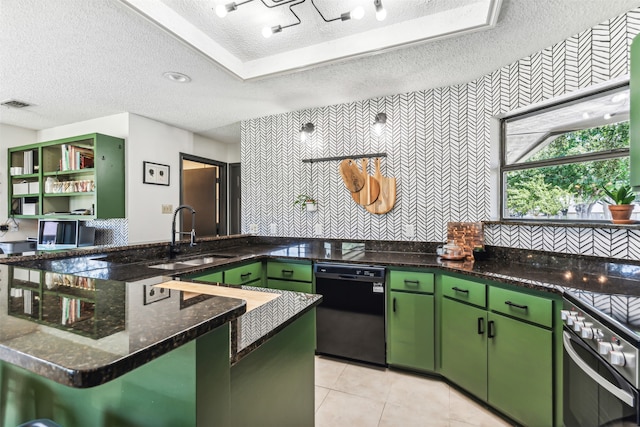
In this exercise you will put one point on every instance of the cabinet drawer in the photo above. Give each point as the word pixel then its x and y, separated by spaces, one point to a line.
pixel 411 281
pixel 289 271
pixel 286 285
pixel 243 274
pixel 522 306
pixel 207 277
pixel 465 290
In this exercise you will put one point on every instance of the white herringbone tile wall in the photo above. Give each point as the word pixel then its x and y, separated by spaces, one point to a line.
pixel 438 147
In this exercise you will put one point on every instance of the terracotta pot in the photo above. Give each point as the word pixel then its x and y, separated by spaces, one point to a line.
pixel 620 214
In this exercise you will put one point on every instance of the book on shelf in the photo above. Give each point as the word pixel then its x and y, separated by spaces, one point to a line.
pixel 74 157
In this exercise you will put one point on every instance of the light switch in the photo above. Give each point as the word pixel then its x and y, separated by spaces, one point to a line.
pixel 317 230
pixel 273 228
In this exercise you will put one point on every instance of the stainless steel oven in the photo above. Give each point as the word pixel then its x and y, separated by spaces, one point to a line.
pixel 600 370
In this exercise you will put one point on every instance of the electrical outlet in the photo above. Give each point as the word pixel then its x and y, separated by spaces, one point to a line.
pixel 317 230
pixel 409 230
pixel 153 294
pixel 273 228
pixel 13 227
pixel 167 209
pixel 253 228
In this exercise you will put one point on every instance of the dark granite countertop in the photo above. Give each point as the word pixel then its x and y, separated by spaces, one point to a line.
pixel 29 342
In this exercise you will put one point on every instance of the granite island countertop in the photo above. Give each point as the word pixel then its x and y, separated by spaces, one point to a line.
pixel 589 277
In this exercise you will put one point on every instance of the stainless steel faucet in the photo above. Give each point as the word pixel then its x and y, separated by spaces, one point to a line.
pixel 172 248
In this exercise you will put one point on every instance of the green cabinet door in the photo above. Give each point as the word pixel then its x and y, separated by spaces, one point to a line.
pixel 411 331
pixel 464 346
pixel 207 277
pixel 248 274
pixel 521 370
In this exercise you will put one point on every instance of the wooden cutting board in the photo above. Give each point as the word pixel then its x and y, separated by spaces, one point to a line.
pixel 352 176
pixel 254 299
pixel 387 197
pixel 370 190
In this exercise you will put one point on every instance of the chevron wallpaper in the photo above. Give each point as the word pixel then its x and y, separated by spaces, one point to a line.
pixel 438 147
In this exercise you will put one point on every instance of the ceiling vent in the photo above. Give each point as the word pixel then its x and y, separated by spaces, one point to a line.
pixel 14 103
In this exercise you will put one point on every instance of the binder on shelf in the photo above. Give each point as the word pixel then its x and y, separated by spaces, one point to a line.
pixel 27 165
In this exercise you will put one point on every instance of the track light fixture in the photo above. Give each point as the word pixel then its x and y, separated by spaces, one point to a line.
pixel 223 9
pixel 306 131
pixel 379 123
pixel 381 12
pixel 358 13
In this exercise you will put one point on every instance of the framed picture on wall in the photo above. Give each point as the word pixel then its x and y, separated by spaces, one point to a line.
pixel 155 173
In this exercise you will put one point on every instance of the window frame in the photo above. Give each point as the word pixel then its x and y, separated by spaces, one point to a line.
pixel 580 158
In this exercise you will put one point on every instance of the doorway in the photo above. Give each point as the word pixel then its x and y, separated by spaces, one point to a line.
pixel 204 187
pixel 235 226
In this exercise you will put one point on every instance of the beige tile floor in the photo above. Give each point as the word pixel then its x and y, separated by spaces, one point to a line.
pixel 354 395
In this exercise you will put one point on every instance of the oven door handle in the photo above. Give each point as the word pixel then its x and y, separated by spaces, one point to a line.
pixel 622 395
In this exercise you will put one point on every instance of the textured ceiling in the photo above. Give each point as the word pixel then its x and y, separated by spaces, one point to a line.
pixel 77 60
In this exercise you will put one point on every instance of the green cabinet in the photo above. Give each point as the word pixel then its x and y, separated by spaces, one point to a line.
pixel 83 174
pixel 207 276
pixel 500 350
pixel 290 275
pixel 411 320
pixel 464 346
pixel 520 370
pixel 247 274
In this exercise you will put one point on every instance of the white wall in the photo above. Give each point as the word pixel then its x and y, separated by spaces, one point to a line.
pixel 211 149
pixel 145 140
pixel 12 136
pixel 441 147
pixel 155 142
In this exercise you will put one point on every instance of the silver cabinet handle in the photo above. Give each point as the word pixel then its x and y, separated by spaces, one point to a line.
pixel 619 393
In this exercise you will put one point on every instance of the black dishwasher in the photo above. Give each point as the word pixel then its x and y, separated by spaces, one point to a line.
pixel 350 319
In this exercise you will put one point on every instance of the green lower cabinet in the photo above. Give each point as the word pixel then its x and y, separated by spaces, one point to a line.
pixel 464 346
pixel 207 277
pixel 289 285
pixel 521 370
pixel 410 341
pixel 248 274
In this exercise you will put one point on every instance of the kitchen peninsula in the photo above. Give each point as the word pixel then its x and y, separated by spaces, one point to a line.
pixel 127 353
pixel 153 362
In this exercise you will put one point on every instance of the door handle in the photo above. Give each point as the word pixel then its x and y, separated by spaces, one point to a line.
pixel 480 325
pixel 412 282
pixel 284 272
pixel 245 275
pixel 492 329
pixel 511 304
pixel 619 393
pixel 394 305
pixel 457 289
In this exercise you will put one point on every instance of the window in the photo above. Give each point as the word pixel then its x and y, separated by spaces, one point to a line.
pixel 555 161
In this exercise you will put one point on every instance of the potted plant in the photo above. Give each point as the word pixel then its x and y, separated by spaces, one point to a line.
pixel 306 202
pixel 479 253
pixel 621 207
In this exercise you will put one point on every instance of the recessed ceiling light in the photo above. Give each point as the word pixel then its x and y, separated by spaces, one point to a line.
pixel 177 77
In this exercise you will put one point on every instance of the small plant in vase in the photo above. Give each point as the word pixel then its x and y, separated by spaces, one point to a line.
pixel 621 206
pixel 306 202
pixel 479 253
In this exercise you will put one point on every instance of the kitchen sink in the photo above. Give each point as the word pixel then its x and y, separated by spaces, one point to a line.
pixel 171 266
pixel 176 265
